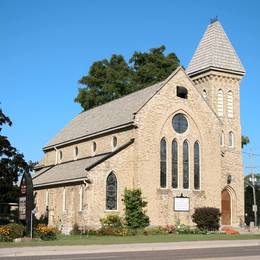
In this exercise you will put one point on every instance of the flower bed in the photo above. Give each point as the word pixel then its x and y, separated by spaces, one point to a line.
pixel 230 231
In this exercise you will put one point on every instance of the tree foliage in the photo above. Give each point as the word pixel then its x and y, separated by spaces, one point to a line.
pixel 112 78
pixel 12 165
pixel 244 140
pixel 135 216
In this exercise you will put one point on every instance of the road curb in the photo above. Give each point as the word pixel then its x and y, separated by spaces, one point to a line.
pixel 91 249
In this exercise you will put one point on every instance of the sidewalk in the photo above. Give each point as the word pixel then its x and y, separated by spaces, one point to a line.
pixel 67 250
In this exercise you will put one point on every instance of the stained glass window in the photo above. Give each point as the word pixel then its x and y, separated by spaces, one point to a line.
pixel 174 164
pixel 185 165
pixel 196 166
pixel 163 163
pixel 111 192
pixel 179 123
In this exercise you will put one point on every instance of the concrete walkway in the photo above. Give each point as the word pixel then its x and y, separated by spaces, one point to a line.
pixel 90 249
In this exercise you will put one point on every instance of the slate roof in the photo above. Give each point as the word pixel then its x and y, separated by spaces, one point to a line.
pixel 215 51
pixel 65 172
pixel 116 113
pixel 72 171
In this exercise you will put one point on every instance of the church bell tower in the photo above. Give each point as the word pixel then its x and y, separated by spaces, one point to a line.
pixel 216 71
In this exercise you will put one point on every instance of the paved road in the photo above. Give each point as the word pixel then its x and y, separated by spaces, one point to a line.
pixel 248 252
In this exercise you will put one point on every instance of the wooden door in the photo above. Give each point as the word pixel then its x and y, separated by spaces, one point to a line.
pixel 225 208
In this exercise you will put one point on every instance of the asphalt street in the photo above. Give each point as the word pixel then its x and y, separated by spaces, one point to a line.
pixel 247 252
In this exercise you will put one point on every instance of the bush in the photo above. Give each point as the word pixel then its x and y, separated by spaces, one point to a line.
pixel 11 231
pixel 113 231
pixel 46 233
pixel 112 220
pixel 4 233
pixel 16 230
pixel 183 229
pixel 135 216
pixel 206 218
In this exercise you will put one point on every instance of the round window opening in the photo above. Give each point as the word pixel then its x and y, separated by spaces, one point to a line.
pixel 180 123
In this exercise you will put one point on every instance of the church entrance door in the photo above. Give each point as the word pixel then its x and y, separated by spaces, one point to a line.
pixel 225 208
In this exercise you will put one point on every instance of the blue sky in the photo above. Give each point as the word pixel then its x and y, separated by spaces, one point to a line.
pixel 46 46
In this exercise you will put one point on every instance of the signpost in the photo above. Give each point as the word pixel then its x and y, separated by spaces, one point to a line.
pixel 26 202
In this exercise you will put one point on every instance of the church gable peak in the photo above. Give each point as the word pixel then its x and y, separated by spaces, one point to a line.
pixel 215 51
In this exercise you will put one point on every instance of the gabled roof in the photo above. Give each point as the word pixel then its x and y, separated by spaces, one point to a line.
pixel 215 51
pixel 119 112
pixel 72 171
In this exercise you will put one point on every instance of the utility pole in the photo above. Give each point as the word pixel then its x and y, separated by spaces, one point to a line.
pixel 252 179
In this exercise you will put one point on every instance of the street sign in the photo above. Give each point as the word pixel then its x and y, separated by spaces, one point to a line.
pixel 26 201
pixel 254 208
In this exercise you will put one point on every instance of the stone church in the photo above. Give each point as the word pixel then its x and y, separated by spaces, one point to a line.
pixel 178 140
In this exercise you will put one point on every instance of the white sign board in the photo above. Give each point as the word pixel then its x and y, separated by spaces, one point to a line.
pixel 22 207
pixel 181 204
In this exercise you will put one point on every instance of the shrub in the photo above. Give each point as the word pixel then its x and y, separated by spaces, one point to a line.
pixel 183 229
pixel 113 231
pixel 112 220
pixel 206 218
pixel 11 231
pixel 46 233
pixel 16 230
pixel 135 216
pixel 112 225
pixel 4 233
pixel 170 229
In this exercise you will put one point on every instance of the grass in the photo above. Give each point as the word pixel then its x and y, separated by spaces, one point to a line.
pixel 102 240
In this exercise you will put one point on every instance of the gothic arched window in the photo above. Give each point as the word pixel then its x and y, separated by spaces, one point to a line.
pixel 196 166
pixel 222 139
pixel 230 139
pixel 220 103
pixel 163 163
pixel 205 94
pixel 111 192
pixel 230 104
pixel 174 164
pixel 185 164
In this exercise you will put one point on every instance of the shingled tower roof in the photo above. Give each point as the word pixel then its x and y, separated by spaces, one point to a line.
pixel 215 51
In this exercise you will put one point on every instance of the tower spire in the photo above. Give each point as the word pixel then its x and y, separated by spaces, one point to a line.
pixel 215 52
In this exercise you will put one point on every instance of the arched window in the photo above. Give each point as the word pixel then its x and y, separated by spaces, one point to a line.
pixel 205 95
pixel 222 139
pixel 230 139
pixel 185 164
pixel 60 156
pixel 76 152
pixel 94 148
pixel 230 104
pixel 114 142
pixel 220 103
pixel 174 164
pixel 196 166
pixel 163 163
pixel 111 192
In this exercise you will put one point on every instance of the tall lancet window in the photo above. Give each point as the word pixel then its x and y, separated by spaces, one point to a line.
pixel 205 94
pixel 111 192
pixel 186 165
pixel 230 106
pixel 174 164
pixel 231 139
pixel 163 163
pixel 196 166
pixel 220 103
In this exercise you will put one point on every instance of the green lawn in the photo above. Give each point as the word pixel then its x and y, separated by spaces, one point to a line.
pixel 101 240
